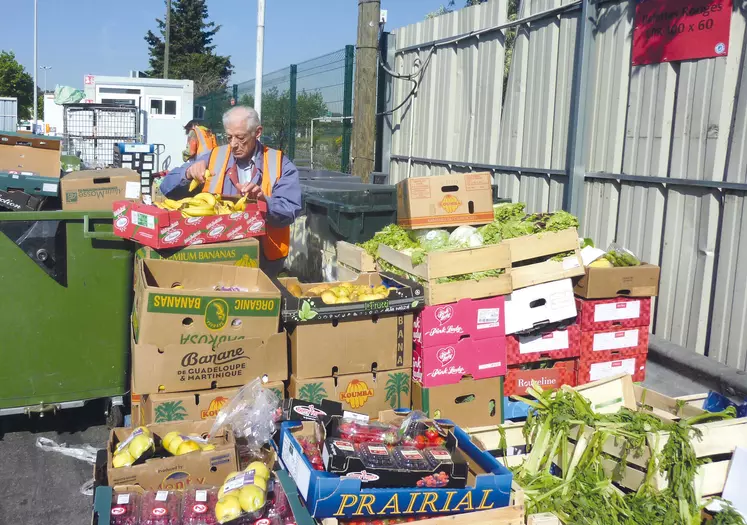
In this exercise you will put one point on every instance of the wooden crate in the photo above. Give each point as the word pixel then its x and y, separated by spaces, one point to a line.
pixel 720 438
pixel 456 262
pixel 354 257
pixel 513 514
pixel 543 245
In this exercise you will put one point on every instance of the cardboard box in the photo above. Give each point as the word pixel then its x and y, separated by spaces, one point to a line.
pixel 327 495
pixel 185 367
pixel 535 306
pixel 195 405
pixel 31 184
pixel 96 190
pixel 404 296
pixel 363 393
pixel 350 347
pixel 176 472
pixel 562 343
pixel 19 201
pixel 446 200
pixel 236 253
pixel 434 366
pixel 612 314
pixel 136 406
pixel 526 249
pixel 29 154
pixel 601 365
pixel 443 264
pixel 196 313
pixel 448 323
pixel 629 281
pixel 164 229
pixel 560 373
pixel 469 403
pixel 610 340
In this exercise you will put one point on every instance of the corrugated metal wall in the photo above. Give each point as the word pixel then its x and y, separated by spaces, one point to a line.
pixel 684 120
pixel 8 114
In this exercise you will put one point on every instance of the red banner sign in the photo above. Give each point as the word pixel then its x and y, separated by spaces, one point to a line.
pixel 671 30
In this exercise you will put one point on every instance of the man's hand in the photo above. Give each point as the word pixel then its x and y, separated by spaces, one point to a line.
pixel 197 171
pixel 252 191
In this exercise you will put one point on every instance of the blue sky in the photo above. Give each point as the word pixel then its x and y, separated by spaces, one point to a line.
pixel 105 37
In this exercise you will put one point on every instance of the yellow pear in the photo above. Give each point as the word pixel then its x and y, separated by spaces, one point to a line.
pixel 123 459
pixel 186 447
pixel 259 468
pixel 251 498
pixel 329 297
pixel 228 508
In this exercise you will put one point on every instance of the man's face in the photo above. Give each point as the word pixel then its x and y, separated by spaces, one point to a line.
pixel 241 141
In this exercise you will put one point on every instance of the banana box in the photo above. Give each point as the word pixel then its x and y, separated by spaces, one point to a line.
pixel 194 405
pixel 367 393
pixel 184 303
pixel 162 228
pixel 163 471
pixel 243 252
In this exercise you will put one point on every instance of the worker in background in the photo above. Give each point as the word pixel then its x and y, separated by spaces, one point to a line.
pixel 199 140
pixel 245 166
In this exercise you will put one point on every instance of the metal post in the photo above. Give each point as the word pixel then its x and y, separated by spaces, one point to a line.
pixel 36 83
pixel 347 108
pixel 292 112
pixel 578 136
pixel 260 56
pixel 235 94
pixel 311 160
pixel 167 38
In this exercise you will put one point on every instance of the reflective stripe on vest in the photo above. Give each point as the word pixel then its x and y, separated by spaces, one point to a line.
pixel 205 139
pixel 217 166
pixel 276 241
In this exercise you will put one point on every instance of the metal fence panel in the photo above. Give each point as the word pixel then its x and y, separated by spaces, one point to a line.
pixel 8 114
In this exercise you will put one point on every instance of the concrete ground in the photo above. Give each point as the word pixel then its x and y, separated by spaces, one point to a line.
pixel 43 488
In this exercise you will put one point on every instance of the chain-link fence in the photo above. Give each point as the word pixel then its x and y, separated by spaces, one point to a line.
pixel 307 109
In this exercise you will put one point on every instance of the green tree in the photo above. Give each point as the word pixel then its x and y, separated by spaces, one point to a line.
pixel 16 82
pixel 448 8
pixel 397 384
pixel 191 53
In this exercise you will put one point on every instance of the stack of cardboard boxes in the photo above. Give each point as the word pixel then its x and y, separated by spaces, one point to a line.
pixel 191 352
pixel 358 354
pixel 614 307
pixel 29 170
pixel 139 158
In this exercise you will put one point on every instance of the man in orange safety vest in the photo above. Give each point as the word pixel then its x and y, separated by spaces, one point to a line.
pixel 245 166
pixel 199 140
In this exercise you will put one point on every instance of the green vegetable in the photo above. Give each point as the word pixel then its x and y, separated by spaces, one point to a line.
pixel 393 236
pixel 621 258
pixel 491 233
pixel 508 211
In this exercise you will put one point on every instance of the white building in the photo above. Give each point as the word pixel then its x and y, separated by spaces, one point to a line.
pixel 165 108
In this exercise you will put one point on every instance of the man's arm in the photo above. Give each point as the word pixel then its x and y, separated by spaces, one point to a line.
pixel 285 203
pixel 175 184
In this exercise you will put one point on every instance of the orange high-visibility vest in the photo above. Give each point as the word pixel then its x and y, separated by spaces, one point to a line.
pixel 205 139
pixel 276 240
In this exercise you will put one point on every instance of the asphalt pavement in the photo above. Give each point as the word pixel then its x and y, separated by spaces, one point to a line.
pixel 43 488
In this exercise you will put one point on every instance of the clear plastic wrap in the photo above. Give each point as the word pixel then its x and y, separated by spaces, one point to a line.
pixel 198 506
pixel 125 508
pixel 178 444
pixel 139 444
pixel 619 256
pixel 250 414
pixel 465 237
pixel 243 495
pixel 160 508
pixel 419 431
pixel 431 240
pixel 372 431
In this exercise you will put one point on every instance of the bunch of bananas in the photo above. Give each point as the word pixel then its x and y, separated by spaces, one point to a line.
pixel 203 204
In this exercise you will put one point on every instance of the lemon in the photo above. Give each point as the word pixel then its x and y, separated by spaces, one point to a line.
pixel 123 459
pixel 139 445
pixel 186 447
pixel 251 498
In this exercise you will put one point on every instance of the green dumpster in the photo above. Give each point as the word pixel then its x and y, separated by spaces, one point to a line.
pixel 66 281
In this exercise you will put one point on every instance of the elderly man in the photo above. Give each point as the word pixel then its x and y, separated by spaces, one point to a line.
pixel 245 166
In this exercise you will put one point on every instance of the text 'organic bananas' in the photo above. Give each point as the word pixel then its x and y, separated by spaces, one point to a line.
pixel 203 204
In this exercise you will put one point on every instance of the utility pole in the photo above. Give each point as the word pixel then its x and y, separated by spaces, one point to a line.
pixel 364 113
pixel 36 69
pixel 166 40
pixel 259 66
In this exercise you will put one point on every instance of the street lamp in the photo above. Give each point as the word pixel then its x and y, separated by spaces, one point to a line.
pixel 45 68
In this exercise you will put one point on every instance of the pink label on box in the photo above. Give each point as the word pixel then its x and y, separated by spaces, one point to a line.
pixel 445 365
pixel 447 323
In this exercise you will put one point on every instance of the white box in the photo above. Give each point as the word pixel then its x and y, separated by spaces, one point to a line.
pixel 534 306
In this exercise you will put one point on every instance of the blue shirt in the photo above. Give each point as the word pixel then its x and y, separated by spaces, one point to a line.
pixel 283 207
